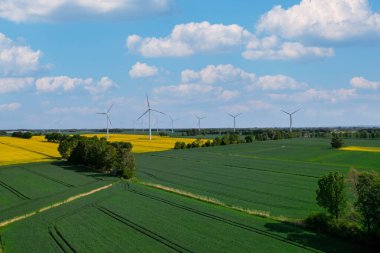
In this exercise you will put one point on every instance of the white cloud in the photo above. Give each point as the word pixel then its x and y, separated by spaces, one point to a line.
pixel 218 74
pixel 10 107
pixel 8 85
pixel 250 105
pixel 103 85
pixel 142 70
pixel 188 39
pixel 72 110
pixel 336 20
pixel 279 82
pixel 59 10
pixel 362 83
pixel 16 59
pixel 270 48
pixel 65 83
pixel 312 94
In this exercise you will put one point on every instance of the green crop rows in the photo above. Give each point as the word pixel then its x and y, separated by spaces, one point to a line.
pixel 147 220
pixel 275 176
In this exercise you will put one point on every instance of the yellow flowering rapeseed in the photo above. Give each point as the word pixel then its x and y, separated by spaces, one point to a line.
pixel 18 150
pixel 362 149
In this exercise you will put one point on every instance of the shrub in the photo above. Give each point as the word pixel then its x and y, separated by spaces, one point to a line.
pixel 336 141
pixel 249 139
pixel 179 145
pixel 318 221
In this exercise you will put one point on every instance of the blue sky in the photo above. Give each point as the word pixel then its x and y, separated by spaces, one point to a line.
pixel 61 61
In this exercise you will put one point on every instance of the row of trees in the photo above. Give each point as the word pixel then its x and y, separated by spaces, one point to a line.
pixel 226 139
pixel 55 137
pixel 355 220
pixel 24 135
pixel 99 154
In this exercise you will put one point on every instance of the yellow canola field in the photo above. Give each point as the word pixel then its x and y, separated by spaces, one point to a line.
pixel 141 143
pixel 17 150
pixel 362 149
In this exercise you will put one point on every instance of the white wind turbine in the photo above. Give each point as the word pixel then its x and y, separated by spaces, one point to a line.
pixel 108 119
pixel 290 118
pixel 172 120
pixel 234 117
pixel 148 111
pixel 199 121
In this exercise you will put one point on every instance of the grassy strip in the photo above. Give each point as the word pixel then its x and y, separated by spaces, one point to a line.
pixel 43 209
pixel 260 213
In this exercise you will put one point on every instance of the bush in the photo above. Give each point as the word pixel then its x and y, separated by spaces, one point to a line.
pixel 318 222
pixel 24 135
pixel 179 145
pixel 249 139
pixel 336 141
pixel 162 134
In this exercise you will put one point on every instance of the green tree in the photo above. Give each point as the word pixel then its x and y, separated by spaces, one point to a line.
pixel 336 141
pixel 367 190
pixel 330 194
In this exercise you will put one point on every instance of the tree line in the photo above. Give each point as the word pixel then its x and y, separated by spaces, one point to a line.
pixel 24 135
pixel 356 220
pixel 99 154
pixel 226 139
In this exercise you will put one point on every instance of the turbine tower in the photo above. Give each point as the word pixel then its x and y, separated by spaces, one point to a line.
pixel 291 118
pixel 234 117
pixel 199 121
pixel 108 119
pixel 148 111
pixel 172 120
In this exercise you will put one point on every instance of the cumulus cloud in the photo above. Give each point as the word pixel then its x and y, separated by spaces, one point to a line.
pixel 336 20
pixel 8 85
pixel 17 59
pixel 250 105
pixel 313 94
pixel 279 82
pixel 271 48
pixel 60 10
pixel 223 73
pixel 65 83
pixel 10 107
pixel 362 83
pixel 188 39
pixel 140 70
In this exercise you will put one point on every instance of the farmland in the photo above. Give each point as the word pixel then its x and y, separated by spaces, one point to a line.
pixel 147 220
pixel 279 177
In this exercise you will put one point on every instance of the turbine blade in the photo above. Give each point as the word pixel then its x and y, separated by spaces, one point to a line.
pixel 147 100
pixel 157 111
pixel 237 115
pixel 109 120
pixel 143 114
pixel 109 109
pixel 296 111
pixel 102 113
pixel 196 116
pixel 285 112
pixel 231 115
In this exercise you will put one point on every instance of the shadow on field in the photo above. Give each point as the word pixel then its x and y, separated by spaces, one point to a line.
pixel 316 241
pixel 83 169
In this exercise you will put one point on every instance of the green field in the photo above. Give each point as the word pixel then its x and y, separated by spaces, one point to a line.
pixel 275 176
pixel 25 188
pixel 148 220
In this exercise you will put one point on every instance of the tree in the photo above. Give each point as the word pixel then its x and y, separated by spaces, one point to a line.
pixel 367 190
pixel 330 194
pixel 336 141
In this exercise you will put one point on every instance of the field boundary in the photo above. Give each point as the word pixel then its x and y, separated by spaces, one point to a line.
pixel 259 213
pixel 43 209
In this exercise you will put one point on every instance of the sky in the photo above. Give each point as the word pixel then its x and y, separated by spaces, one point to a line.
pixel 62 61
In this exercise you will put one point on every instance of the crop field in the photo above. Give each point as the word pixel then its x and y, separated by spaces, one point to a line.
pixel 18 150
pixel 142 219
pixel 279 177
pixel 24 188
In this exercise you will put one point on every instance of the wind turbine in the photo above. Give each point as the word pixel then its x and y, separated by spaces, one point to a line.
pixel 172 120
pixel 199 121
pixel 234 117
pixel 108 119
pixel 148 111
pixel 291 118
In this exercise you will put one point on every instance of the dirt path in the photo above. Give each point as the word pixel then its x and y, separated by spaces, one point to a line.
pixel 43 209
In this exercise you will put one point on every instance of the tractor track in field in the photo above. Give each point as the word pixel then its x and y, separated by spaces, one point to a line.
pixel 49 178
pixel 30 150
pixel 143 230
pixel 14 191
pixel 58 238
pixel 226 221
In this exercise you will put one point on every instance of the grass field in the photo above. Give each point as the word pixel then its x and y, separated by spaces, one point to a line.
pixel 27 187
pixel 147 220
pixel 275 176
